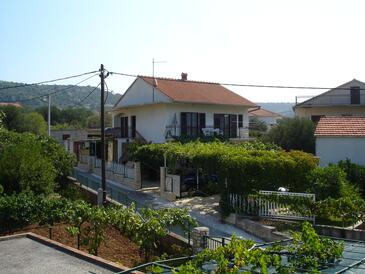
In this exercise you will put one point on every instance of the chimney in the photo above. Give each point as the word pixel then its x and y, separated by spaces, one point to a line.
pixel 184 76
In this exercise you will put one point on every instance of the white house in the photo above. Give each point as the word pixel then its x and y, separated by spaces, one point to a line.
pixel 268 117
pixel 338 138
pixel 345 100
pixel 159 109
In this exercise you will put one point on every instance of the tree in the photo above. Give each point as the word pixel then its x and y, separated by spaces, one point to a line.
pixel 24 169
pixel 32 163
pixel 293 133
pixel 93 121
pixel 56 114
pixel 33 122
pixel 11 117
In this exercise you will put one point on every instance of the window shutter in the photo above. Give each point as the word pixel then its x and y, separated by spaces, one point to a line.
pixel 183 123
pixel 240 120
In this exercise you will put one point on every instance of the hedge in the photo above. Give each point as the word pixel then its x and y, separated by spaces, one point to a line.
pixel 248 167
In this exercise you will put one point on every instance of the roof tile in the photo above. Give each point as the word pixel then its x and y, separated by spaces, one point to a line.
pixel 341 126
pixel 197 92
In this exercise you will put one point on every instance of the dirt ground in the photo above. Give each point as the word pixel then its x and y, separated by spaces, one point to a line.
pixel 115 248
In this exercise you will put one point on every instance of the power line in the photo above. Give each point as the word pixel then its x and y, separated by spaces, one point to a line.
pixel 49 81
pixel 57 91
pixel 240 85
pixel 87 96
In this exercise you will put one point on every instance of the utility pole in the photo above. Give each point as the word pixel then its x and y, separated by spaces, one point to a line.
pixel 49 115
pixel 102 132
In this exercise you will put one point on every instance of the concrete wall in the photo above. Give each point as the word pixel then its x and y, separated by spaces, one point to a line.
pixel 330 111
pixel 334 149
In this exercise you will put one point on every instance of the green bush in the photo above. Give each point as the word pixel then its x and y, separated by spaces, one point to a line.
pixel 355 174
pixel 32 163
pixel 23 169
pixel 293 133
pixel 330 182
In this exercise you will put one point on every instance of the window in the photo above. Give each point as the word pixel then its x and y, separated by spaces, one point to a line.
pixel 240 120
pixel 124 127
pixel 192 123
pixel 315 118
pixel 227 123
pixel 133 118
pixel 65 137
pixel 355 95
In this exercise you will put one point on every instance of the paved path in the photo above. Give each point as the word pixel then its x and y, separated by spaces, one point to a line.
pixel 126 195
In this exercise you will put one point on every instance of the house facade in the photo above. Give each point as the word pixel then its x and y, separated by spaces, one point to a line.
pixel 160 109
pixel 345 100
pixel 339 138
pixel 268 117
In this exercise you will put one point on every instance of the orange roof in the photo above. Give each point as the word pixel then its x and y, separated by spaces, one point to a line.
pixel 10 104
pixel 341 126
pixel 262 113
pixel 187 91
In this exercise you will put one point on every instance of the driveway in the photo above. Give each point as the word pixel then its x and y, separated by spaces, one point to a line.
pixel 203 209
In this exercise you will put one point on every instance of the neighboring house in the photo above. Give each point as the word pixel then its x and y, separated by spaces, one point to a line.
pixel 345 100
pixel 160 109
pixel 268 117
pixel 338 138
pixel 14 104
pixel 71 139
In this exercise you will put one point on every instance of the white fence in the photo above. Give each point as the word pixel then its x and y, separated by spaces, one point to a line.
pixel 277 210
pixel 269 209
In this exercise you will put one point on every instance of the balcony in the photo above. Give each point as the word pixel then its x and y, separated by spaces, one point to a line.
pixel 174 131
pixel 126 133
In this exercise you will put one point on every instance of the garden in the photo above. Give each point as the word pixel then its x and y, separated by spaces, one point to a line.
pixel 246 168
pixel 36 196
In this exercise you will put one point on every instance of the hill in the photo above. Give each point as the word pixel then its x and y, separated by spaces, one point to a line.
pixel 68 95
pixel 285 109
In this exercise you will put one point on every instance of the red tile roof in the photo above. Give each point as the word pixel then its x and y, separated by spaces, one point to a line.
pixel 197 92
pixel 341 126
pixel 2 104
pixel 262 113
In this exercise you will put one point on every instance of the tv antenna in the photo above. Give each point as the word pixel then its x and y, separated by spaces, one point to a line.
pixel 153 76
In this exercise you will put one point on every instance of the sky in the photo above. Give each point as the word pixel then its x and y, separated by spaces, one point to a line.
pixel 282 42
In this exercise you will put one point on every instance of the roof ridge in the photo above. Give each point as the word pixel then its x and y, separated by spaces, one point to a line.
pixel 179 80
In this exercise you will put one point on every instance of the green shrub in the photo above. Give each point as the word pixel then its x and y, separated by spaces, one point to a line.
pixel 23 169
pixel 293 133
pixel 355 174
pixel 32 163
pixel 330 182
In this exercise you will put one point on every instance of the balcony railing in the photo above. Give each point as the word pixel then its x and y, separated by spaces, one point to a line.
pixel 173 131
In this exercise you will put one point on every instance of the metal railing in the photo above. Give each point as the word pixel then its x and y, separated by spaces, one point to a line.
pixel 172 131
pixel 126 170
pixel 213 242
pixel 97 163
pixel 255 206
pixel 83 159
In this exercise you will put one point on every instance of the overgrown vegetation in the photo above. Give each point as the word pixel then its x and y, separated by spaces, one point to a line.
pixel 307 253
pixel 22 120
pixel 33 164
